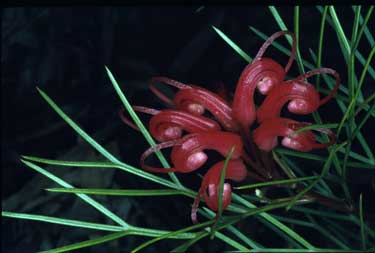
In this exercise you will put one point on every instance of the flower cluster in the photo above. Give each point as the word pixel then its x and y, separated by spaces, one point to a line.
pixel 203 120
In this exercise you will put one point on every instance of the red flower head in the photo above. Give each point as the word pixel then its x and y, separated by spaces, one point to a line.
pixel 189 132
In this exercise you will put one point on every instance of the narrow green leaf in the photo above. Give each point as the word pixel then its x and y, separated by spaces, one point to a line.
pixel 279 20
pixel 362 123
pixel 340 33
pixel 364 24
pixel 275 223
pixel 260 210
pixel 210 214
pixel 294 221
pixel 363 236
pixel 314 157
pixel 355 134
pixel 251 243
pixel 299 154
pixel 139 124
pixel 314 127
pixel 296 33
pixel 343 47
pixel 233 45
pixel 325 169
pixel 355 35
pixel 61 221
pixel 368 34
pixel 360 137
pixel 351 108
pixel 184 247
pixel 220 191
pixel 320 47
pixel 113 192
pixel 231 242
pixel 84 197
pixel 144 245
pixel 121 166
pixel 276 182
pixel 90 225
pixel 339 231
pixel 76 128
pixel 365 71
pixel 337 216
pixel 327 234
pixel 365 104
pixel 284 166
pixel 89 243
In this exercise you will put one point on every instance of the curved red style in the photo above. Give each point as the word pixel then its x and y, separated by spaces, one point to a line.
pixel 168 81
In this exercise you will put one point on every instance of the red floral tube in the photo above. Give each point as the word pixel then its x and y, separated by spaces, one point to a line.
pixel 265 136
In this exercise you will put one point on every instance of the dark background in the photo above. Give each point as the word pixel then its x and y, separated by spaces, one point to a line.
pixel 63 51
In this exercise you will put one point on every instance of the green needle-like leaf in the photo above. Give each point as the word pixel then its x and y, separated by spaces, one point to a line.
pixel 187 229
pixel 220 191
pixel 139 124
pixel 324 172
pixel 340 33
pixel 112 192
pixel 363 236
pixel 89 243
pixel 233 45
pixel 320 47
pixel 276 182
pixel 61 221
pixel 296 33
pixel 121 166
pixel 314 127
pixel 84 197
pixel 76 128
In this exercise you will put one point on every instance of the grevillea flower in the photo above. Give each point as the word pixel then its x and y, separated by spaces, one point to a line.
pixel 189 130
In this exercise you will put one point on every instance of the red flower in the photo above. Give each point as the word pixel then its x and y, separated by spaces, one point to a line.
pixel 189 133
